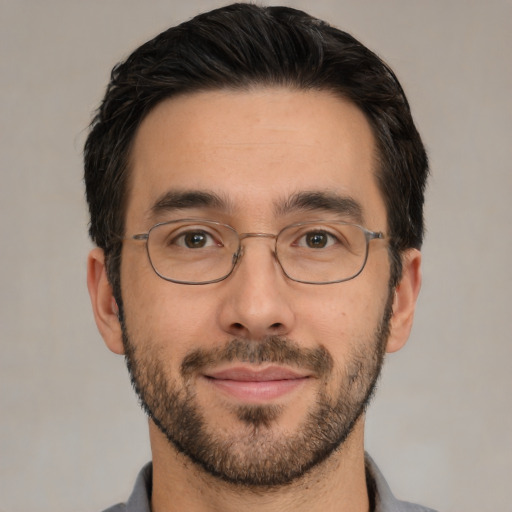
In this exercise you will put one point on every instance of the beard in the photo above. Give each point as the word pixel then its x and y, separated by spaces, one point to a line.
pixel 257 455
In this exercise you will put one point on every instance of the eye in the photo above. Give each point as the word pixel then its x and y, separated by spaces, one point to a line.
pixel 318 239
pixel 195 239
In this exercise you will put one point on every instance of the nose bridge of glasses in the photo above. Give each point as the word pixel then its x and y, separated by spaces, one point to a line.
pixel 242 236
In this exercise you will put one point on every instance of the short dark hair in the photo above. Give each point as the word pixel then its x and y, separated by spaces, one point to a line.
pixel 240 46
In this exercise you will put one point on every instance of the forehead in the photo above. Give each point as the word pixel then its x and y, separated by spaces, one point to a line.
pixel 255 150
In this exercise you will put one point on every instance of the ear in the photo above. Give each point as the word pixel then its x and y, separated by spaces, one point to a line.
pixel 404 302
pixel 104 305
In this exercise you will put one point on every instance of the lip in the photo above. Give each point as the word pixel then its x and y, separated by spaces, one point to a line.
pixel 254 385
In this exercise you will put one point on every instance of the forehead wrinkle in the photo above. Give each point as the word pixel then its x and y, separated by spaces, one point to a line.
pixel 321 201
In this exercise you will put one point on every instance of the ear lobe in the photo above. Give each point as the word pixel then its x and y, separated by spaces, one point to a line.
pixel 103 303
pixel 404 303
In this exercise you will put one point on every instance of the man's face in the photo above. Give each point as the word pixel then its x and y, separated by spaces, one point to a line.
pixel 256 378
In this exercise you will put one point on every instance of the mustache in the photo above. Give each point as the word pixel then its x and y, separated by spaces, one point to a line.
pixel 271 349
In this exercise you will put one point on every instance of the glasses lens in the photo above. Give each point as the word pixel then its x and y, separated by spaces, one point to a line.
pixel 192 251
pixel 322 252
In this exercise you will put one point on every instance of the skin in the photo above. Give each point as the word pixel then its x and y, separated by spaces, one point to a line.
pixel 256 149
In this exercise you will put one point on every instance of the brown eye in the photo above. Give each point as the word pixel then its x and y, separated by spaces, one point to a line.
pixel 316 240
pixel 195 240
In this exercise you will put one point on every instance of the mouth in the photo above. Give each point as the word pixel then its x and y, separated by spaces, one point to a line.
pixel 255 385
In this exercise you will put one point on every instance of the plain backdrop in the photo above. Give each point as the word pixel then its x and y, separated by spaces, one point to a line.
pixel 72 436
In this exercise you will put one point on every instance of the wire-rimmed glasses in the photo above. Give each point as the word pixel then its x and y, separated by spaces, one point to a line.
pixel 196 251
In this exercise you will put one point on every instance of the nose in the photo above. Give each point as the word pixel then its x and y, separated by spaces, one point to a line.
pixel 256 300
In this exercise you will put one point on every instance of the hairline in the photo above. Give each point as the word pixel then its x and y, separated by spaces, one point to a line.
pixel 250 87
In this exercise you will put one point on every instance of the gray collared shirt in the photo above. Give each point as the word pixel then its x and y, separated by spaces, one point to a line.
pixel 381 497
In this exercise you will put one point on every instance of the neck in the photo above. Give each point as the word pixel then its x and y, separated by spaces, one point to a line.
pixel 337 484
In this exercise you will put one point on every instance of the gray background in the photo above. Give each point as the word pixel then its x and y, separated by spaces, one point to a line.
pixel 71 434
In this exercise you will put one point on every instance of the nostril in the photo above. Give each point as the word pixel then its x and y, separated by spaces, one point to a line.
pixel 276 326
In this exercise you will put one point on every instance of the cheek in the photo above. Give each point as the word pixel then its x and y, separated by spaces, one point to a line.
pixel 343 316
pixel 161 315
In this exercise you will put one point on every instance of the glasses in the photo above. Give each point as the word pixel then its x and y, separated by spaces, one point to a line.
pixel 193 251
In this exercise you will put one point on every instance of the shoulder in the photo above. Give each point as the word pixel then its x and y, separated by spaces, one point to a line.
pixel 140 498
pixel 120 507
pixel 380 494
pixel 413 507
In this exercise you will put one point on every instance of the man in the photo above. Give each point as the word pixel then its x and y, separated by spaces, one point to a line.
pixel 255 184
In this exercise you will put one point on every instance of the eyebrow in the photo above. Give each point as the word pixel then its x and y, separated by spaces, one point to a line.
pixel 309 201
pixel 188 199
pixel 321 201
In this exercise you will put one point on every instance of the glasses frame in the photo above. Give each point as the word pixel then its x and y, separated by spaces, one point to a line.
pixel 369 236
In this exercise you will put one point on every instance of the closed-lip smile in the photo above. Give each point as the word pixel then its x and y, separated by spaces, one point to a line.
pixel 250 384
